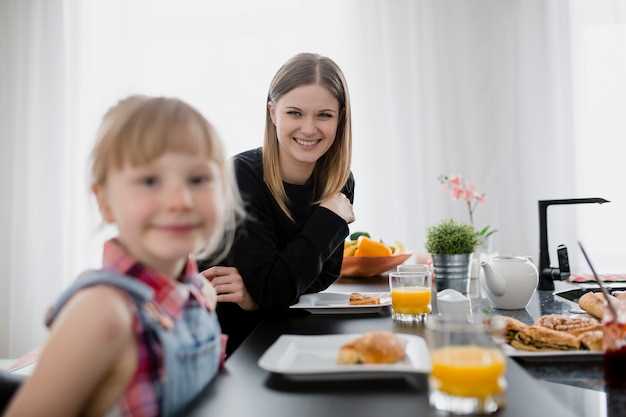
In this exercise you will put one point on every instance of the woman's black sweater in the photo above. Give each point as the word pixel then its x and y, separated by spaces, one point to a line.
pixel 279 259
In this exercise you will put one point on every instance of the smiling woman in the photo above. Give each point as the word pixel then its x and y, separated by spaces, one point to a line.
pixel 298 192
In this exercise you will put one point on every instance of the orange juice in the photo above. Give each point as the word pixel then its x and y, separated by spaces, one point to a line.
pixel 411 300
pixel 468 371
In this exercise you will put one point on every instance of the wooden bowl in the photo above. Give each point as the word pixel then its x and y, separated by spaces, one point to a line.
pixel 369 266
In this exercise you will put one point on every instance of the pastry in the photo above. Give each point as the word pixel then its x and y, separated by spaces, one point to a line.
pixel 592 340
pixel 372 347
pixel 357 299
pixel 537 338
pixel 593 303
pixel 570 324
pixel 512 327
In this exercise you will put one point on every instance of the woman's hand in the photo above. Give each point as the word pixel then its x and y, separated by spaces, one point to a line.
pixel 340 205
pixel 230 287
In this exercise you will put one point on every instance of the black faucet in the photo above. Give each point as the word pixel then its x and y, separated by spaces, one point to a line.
pixel 548 274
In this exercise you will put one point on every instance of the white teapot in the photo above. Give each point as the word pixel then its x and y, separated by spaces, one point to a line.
pixel 510 281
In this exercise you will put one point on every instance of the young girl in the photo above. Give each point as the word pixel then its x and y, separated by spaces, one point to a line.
pixel 298 192
pixel 139 337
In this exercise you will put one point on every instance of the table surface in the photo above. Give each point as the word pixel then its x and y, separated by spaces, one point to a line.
pixel 544 388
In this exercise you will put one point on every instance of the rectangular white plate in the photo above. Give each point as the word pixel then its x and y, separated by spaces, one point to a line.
pixel 337 303
pixel 570 355
pixel 315 358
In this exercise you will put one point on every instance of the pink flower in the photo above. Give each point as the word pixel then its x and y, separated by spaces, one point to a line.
pixel 469 193
pixel 461 190
pixel 458 193
pixel 455 181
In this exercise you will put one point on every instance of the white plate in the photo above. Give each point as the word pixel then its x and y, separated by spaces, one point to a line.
pixel 569 355
pixel 315 358
pixel 337 303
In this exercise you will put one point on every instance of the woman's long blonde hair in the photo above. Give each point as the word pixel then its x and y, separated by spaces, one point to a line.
pixel 333 169
pixel 140 129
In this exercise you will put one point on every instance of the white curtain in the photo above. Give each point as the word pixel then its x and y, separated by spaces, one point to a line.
pixel 42 175
pixel 484 89
pixel 476 88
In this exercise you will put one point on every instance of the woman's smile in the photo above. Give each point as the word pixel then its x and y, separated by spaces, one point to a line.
pixel 307 143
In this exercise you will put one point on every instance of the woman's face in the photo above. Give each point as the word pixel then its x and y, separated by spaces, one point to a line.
pixel 306 123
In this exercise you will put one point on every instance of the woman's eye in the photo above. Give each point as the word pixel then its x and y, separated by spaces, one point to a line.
pixel 294 113
pixel 325 115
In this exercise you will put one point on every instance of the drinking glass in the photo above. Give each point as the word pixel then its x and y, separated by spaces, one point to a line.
pixel 468 368
pixel 410 295
pixel 423 268
pixel 614 343
pixel 414 268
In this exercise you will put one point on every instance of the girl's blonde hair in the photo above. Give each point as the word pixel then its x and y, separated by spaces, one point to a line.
pixel 140 129
pixel 332 170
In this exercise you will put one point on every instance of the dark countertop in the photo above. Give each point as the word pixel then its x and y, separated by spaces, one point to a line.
pixel 560 388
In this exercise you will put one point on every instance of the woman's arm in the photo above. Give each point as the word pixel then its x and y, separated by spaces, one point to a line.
pixel 330 273
pixel 85 342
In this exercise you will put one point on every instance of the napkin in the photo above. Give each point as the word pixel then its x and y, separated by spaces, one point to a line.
pixel 603 277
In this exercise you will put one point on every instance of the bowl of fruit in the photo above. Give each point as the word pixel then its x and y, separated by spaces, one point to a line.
pixel 367 257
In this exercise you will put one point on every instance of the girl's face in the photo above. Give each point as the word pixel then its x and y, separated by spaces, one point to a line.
pixel 306 123
pixel 164 210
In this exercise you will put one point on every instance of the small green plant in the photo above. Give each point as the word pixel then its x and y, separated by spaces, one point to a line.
pixel 450 238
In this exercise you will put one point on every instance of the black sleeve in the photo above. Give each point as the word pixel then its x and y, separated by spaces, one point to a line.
pixel 274 277
pixel 332 267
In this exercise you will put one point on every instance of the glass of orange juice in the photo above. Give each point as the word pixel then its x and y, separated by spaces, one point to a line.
pixel 410 295
pixel 468 368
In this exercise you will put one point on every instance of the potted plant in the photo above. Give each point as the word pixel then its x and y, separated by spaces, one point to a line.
pixel 451 245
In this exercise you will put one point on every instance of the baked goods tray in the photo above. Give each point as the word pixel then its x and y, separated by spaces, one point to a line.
pixel 553 355
pixel 314 358
pixel 338 303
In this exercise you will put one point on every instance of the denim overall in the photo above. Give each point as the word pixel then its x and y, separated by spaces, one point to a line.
pixel 190 346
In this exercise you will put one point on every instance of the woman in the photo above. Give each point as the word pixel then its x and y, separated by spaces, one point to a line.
pixel 298 192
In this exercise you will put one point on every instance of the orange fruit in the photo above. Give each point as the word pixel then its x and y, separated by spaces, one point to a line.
pixel 369 247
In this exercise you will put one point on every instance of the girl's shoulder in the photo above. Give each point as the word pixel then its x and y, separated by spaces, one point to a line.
pixel 102 307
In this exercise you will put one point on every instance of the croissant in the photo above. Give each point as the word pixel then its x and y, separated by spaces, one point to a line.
pixel 372 347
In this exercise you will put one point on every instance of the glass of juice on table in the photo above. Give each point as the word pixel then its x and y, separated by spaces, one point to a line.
pixel 468 368
pixel 614 343
pixel 410 295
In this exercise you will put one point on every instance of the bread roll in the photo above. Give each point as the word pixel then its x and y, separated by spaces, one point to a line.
pixel 620 295
pixel 373 347
pixel 593 303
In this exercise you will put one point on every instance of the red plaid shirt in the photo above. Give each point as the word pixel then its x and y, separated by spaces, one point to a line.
pixel 140 398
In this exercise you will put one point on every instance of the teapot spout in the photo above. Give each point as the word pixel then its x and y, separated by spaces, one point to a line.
pixel 494 282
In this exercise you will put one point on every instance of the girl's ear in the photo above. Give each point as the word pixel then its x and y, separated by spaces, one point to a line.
pixel 272 110
pixel 103 203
